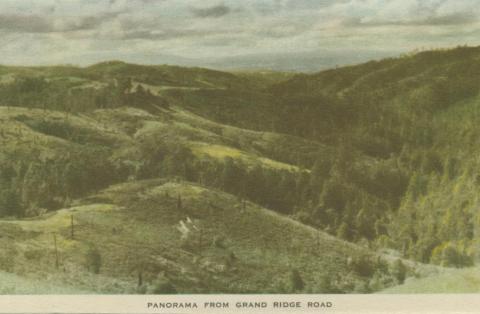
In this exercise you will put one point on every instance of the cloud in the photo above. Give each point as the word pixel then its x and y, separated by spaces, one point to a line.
pixel 211 12
pixel 461 18
pixel 25 23
pixel 34 23
pixel 165 34
pixel 358 13
pixel 218 28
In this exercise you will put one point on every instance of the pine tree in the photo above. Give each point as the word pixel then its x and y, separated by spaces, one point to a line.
pixel 296 282
pixel 12 204
pixel 399 270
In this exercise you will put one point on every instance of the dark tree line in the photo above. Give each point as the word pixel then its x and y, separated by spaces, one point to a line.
pixel 63 95
pixel 30 184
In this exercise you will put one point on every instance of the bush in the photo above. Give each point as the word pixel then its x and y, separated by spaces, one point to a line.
pixel 163 286
pixel 10 204
pixel 32 255
pixel 361 286
pixel 451 255
pixel 362 266
pixel 7 258
pixel 399 271
pixel 380 281
pixel 93 260
pixel 326 285
pixel 219 242
pixel 296 281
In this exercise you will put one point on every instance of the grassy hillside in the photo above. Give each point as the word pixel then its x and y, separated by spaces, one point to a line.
pixel 273 167
pixel 141 218
pixel 52 160
pixel 448 281
pixel 137 230
pixel 14 284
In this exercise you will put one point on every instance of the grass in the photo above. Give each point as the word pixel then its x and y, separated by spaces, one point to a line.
pixel 222 152
pixel 449 281
pixel 58 220
pixel 112 129
pixel 234 247
pixel 135 228
pixel 14 284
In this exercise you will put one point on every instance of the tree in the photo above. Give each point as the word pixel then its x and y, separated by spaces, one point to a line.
pixel 296 281
pixel 231 176
pixel 417 186
pixel 344 231
pixel 287 193
pixel 364 225
pixel 10 204
pixel 320 172
pixel 333 195
pixel 451 254
pixel 124 85
pixel 256 185
pixel 362 266
pixel 325 285
pixel 399 271
pixel 93 259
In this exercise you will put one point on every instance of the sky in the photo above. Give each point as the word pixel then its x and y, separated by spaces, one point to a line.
pixel 228 33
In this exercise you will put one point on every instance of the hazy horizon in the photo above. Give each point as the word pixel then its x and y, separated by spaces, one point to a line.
pixel 287 35
pixel 310 61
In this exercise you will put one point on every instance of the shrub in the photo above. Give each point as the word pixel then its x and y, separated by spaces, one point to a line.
pixel 362 266
pixel 399 271
pixel 162 285
pixel 7 258
pixel 326 285
pixel 33 254
pixel 381 280
pixel 361 286
pixel 93 260
pixel 219 242
pixel 296 282
pixel 451 255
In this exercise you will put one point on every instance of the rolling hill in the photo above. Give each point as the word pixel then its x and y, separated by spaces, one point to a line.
pixel 192 180
pixel 240 247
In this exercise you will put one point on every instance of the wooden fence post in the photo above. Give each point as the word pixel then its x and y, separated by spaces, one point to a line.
pixel 71 227
pixel 56 251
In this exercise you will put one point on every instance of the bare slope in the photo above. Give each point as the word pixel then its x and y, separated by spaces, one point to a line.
pixel 195 239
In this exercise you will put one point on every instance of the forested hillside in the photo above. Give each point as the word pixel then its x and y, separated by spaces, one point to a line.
pixel 382 156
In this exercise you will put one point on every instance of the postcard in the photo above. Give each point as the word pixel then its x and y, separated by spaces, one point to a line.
pixel 228 156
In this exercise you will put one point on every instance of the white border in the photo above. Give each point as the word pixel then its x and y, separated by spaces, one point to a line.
pixel 391 304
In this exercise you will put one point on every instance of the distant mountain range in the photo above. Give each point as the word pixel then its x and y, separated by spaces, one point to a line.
pixel 307 61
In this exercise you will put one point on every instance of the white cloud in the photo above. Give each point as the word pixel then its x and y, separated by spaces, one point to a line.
pixel 75 30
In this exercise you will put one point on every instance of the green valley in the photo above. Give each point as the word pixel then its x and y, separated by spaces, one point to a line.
pixel 123 178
